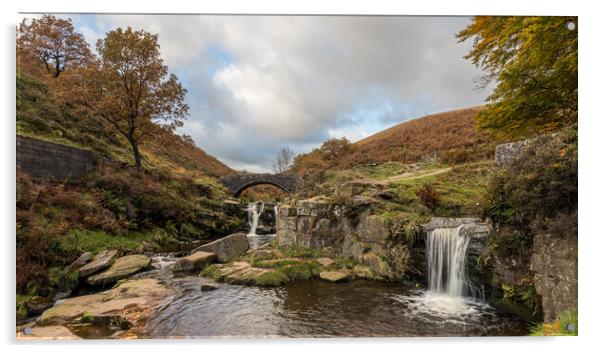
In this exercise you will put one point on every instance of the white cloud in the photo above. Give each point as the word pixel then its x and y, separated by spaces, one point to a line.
pixel 257 83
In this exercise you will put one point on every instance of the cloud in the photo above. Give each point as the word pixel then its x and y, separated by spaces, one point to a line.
pixel 256 83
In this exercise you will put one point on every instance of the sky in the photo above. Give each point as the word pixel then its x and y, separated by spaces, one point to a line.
pixel 259 83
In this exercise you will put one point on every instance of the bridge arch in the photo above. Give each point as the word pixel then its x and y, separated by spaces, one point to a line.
pixel 236 184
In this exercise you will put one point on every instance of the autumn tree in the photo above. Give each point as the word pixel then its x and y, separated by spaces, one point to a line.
pixel 324 157
pixel 334 148
pixel 284 160
pixel 53 43
pixel 533 61
pixel 129 88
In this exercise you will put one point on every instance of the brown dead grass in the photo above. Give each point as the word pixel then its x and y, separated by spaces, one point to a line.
pixel 452 135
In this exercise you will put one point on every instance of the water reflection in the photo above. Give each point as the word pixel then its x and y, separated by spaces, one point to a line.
pixel 320 309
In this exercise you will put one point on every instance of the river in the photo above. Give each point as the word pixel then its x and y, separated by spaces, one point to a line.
pixel 321 309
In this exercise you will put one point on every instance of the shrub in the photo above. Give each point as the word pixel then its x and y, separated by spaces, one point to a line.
pixel 538 184
pixel 429 197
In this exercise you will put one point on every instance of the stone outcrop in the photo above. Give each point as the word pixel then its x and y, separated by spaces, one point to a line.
pixel 554 264
pixel 133 301
pixel 376 241
pixel 507 151
pixel 227 248
pixel 101 261
pixel 196 261
pixel 121 268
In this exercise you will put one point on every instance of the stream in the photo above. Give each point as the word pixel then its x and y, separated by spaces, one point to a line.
pixel 314 308
pixel 319 309
pixel 451 306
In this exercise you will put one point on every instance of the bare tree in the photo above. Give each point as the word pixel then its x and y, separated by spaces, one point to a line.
pixel 284 160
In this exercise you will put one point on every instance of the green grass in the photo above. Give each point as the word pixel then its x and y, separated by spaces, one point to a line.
pixel 272 279
pixel 276 264
pixel 97 241
pixel 462 191
pixel 297 272
pixel 560 327
pixel 213 272
pixel 382 171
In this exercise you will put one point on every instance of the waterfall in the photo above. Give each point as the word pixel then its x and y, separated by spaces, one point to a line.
pixel 446 253
pixel 255 210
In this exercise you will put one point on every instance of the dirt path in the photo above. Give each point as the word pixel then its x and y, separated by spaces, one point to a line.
pixel 410 176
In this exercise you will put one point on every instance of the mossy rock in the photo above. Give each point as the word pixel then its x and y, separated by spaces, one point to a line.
pixel 121 268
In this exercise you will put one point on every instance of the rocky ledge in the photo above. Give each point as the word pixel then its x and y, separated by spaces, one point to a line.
pixel 122 310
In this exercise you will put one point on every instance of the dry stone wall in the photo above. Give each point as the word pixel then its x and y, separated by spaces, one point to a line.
pixel 42 159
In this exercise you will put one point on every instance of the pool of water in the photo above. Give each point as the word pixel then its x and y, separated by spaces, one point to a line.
pixel 321 309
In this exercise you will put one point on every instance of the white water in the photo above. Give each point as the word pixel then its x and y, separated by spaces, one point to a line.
pixel 446 253
pixel 255 209
pixel 451 296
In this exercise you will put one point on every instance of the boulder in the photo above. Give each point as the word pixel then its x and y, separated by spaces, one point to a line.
pixel 206 287
pixel 335 276
pixel 196 261
pixel 122 267
pixel 325 261
pixel 101 261
pixel 79 262
pixel 227 248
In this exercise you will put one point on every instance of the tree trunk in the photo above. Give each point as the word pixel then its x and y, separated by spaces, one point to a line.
pixel 137 157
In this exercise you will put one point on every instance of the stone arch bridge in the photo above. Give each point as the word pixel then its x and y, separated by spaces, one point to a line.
pixel 236 184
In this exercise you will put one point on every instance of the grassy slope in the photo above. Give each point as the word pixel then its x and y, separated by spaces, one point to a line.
pixel 177 197
pixel 452 134
pixel 39 117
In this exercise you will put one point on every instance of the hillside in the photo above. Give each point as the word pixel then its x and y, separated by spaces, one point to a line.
pixel 176 199
pixel 451 134
pixel 38 116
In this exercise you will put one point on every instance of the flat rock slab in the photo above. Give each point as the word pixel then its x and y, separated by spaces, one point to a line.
pixel 227 248
pixel 127 300
pixel 241 273
pixel 122 267
pixel 47 333
pixel 196 261
pixel 101 261
pixel 335 276
pixel 325 261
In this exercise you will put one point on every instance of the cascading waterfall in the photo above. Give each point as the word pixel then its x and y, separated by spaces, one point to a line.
pixel 446 253
pixel 255 210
